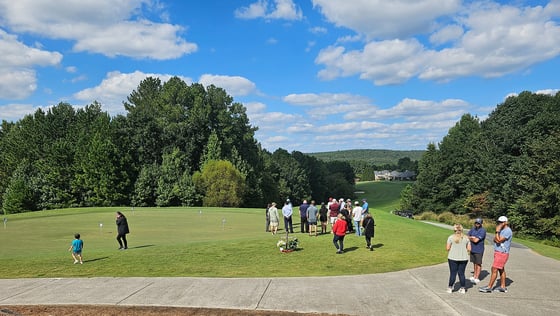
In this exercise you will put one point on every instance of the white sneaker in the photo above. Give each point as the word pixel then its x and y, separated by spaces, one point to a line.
pixel 472 279
pixel 476 281
pixel 449 290
pixel 75 261
pixel 462 290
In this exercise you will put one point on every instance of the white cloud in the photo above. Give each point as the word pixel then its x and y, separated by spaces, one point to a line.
pixel 548 91
pixel 254 107
pixel 449 33
pixel 280 9
pixel 487 40
pixel 14 112
pixel 234 85
pixel 116 87
pixel 325 99
pixel 140 39
pixel 385 62
pixel 318 30
pixel 386 19
pixel 107 27
pixel 18 79
pixel 71 69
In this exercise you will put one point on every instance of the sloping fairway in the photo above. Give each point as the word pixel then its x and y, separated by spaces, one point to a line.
pixel 210 242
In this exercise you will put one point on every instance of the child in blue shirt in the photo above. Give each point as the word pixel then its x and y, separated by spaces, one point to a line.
pixel 76 248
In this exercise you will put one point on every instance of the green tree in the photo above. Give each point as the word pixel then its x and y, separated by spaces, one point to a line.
pixel 172 170
pixel 18 196
pixel 146 186
pixel 221 184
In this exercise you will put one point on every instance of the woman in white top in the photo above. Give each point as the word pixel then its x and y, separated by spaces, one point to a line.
pixel 458 248
pixel 274 218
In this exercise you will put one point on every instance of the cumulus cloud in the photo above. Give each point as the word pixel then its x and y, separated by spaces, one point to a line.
pixel 104 26
pixel 383 19
pixel 279 9
pixel 18 78
pixel 15 111
pixel 234 85
pixel 487 40
pixel 116 87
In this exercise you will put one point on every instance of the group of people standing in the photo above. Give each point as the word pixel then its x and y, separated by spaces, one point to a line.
pixel 460 247
pixel 344 218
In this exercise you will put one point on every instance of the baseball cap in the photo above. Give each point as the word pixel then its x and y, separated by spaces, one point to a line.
pixel 502 219
pixel 478 220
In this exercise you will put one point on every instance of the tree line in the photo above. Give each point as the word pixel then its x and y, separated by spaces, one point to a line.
pixel 176 145
pixel 507 164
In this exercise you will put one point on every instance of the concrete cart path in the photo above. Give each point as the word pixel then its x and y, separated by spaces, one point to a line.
pixel 533 283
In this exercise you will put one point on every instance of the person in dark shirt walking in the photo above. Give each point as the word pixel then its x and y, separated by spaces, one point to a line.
pixel 122 230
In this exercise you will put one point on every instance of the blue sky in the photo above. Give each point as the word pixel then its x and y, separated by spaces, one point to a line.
pixel 314 75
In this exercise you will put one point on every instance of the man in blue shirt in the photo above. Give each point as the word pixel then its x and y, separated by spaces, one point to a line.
pixel 365 207
pixel 287 212
pixel 304 225
pixel 502 244
pixel 477 235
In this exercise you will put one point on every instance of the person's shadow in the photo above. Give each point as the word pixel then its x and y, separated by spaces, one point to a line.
pixel 96 259
pixel 142 246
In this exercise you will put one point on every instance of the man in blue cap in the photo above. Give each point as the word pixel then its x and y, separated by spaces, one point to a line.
pixel 477 235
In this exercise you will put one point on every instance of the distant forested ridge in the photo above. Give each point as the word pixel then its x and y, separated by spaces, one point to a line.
pixel 365 162
pixel 176 145
pixel 378 157
pixel 507 164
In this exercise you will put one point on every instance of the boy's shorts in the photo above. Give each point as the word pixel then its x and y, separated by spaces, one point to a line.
pixel 500 259
pixel 77 252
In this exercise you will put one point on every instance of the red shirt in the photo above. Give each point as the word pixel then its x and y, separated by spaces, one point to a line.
pixel 339 227
pixel 334 209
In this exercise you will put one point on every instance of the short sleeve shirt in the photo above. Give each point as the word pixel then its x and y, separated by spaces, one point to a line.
pixel 458 251
pixel 504 246
pixel 479 233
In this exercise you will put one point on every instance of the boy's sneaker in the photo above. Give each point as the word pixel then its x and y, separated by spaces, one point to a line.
pixel 501 289
pixel 485 289
pixel 449 290
pixel 472 279
pixel 476 281
pixel 462 291
pixel 75 261
pixel 81 262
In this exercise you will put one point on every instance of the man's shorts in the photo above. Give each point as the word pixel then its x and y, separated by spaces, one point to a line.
pixel 312 223
pixel 500 259
pixel 476 258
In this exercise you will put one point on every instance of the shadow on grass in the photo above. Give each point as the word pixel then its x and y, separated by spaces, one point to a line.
pixel 350 249
pixel 96 259
pixel 377 245
pixel 142 246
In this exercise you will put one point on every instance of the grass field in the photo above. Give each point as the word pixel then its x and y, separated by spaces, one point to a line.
pixel 210 242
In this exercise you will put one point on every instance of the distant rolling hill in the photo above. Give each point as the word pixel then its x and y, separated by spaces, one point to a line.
pixel 372 156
